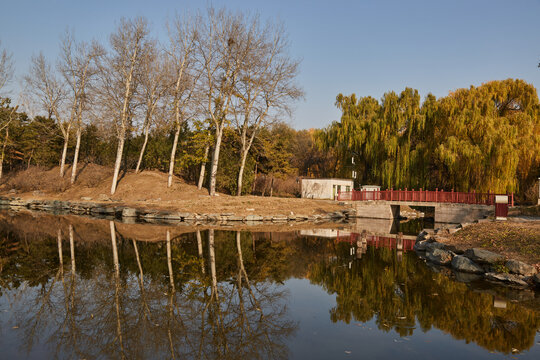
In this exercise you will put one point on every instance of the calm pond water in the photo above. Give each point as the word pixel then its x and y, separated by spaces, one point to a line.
pixel 82 289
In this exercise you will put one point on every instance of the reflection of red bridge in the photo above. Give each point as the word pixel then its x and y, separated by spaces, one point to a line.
pixel 398 242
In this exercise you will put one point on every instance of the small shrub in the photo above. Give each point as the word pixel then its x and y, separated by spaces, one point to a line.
pixel 501 268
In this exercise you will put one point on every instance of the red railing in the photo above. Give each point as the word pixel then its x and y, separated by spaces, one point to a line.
pixel 439 196
pixel 378 241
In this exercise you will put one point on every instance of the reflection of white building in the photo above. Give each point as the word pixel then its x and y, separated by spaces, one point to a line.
pixel 325 188
pixel 325 233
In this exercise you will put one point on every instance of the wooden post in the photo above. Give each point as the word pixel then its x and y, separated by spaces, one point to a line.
pixel 436 194
pixel 452 195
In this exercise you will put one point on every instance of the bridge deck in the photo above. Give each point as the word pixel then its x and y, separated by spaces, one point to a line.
pixel 423 196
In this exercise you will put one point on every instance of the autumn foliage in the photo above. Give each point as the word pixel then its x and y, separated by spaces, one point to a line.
pixel 484 138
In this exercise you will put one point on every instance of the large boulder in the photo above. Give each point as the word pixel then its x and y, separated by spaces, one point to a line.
pixel 439 256
pixel 464 264
pixel 482 256
pixel 454 249
pixel 519 267
pixel 507 279
pixel 129 212
pixel 254 218
pixel 536 280
pixel 467 277
pixel 420 245
pixel 435 245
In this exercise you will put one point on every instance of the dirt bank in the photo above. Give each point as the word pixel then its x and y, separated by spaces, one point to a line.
pixel 149 189
pixel 513 239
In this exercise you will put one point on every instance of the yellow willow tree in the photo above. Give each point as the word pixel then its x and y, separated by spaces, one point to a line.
pixel 400 120
pixel 488 136
pixel 378 141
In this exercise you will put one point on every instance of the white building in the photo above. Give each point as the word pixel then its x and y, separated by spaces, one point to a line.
pixel 325 188
pixel 370 188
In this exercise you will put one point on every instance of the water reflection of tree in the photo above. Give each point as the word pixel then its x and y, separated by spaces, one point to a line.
pixel 128 299
pixel 397 294
pixel 216 294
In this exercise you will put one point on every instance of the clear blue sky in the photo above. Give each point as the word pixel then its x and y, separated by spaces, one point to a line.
pixel 365 47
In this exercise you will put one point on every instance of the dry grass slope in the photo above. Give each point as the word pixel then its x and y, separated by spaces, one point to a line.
pixel 149 189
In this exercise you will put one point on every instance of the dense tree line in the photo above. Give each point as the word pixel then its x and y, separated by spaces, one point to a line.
pixel 220 75
pixel 208 105
pixel 279 155
pixel 484 138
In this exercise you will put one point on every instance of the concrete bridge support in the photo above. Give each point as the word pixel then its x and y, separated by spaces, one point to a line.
pixel 377 210
pixel 461 213
pixel 444 212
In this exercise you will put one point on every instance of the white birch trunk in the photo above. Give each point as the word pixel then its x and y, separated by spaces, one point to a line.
pixel 173 156
pixel 146 131
pixel 76 156
pixel 200 248
pixel 117 163
pixel 60 257
pixel 3 153
pixel 64 154
pixel 241 173
pixel 215 161
pixel 212 258
pixel 72 249
pixel 114 249
pixel 203 167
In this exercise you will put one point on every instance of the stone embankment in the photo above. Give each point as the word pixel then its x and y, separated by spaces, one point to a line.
pixel 132 214
pixel 475 264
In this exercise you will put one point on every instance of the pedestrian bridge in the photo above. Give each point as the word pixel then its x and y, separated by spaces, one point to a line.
pixel 449 206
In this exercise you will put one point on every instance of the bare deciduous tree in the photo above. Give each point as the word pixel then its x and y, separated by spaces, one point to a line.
pixel 218 52
pixel 4 126
pixel 118 79
pixel 6 67
pixel 77 65
pixel 6 114
pixel 183 36
pixel 153 82
pixel 43 84
pixel 265 86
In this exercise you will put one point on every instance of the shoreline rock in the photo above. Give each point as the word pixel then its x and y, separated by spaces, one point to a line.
pixel 130 214
pixel 475 264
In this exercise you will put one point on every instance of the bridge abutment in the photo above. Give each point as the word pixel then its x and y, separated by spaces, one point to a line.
pixel 444 212
pixel 460 213
pixel 376 210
